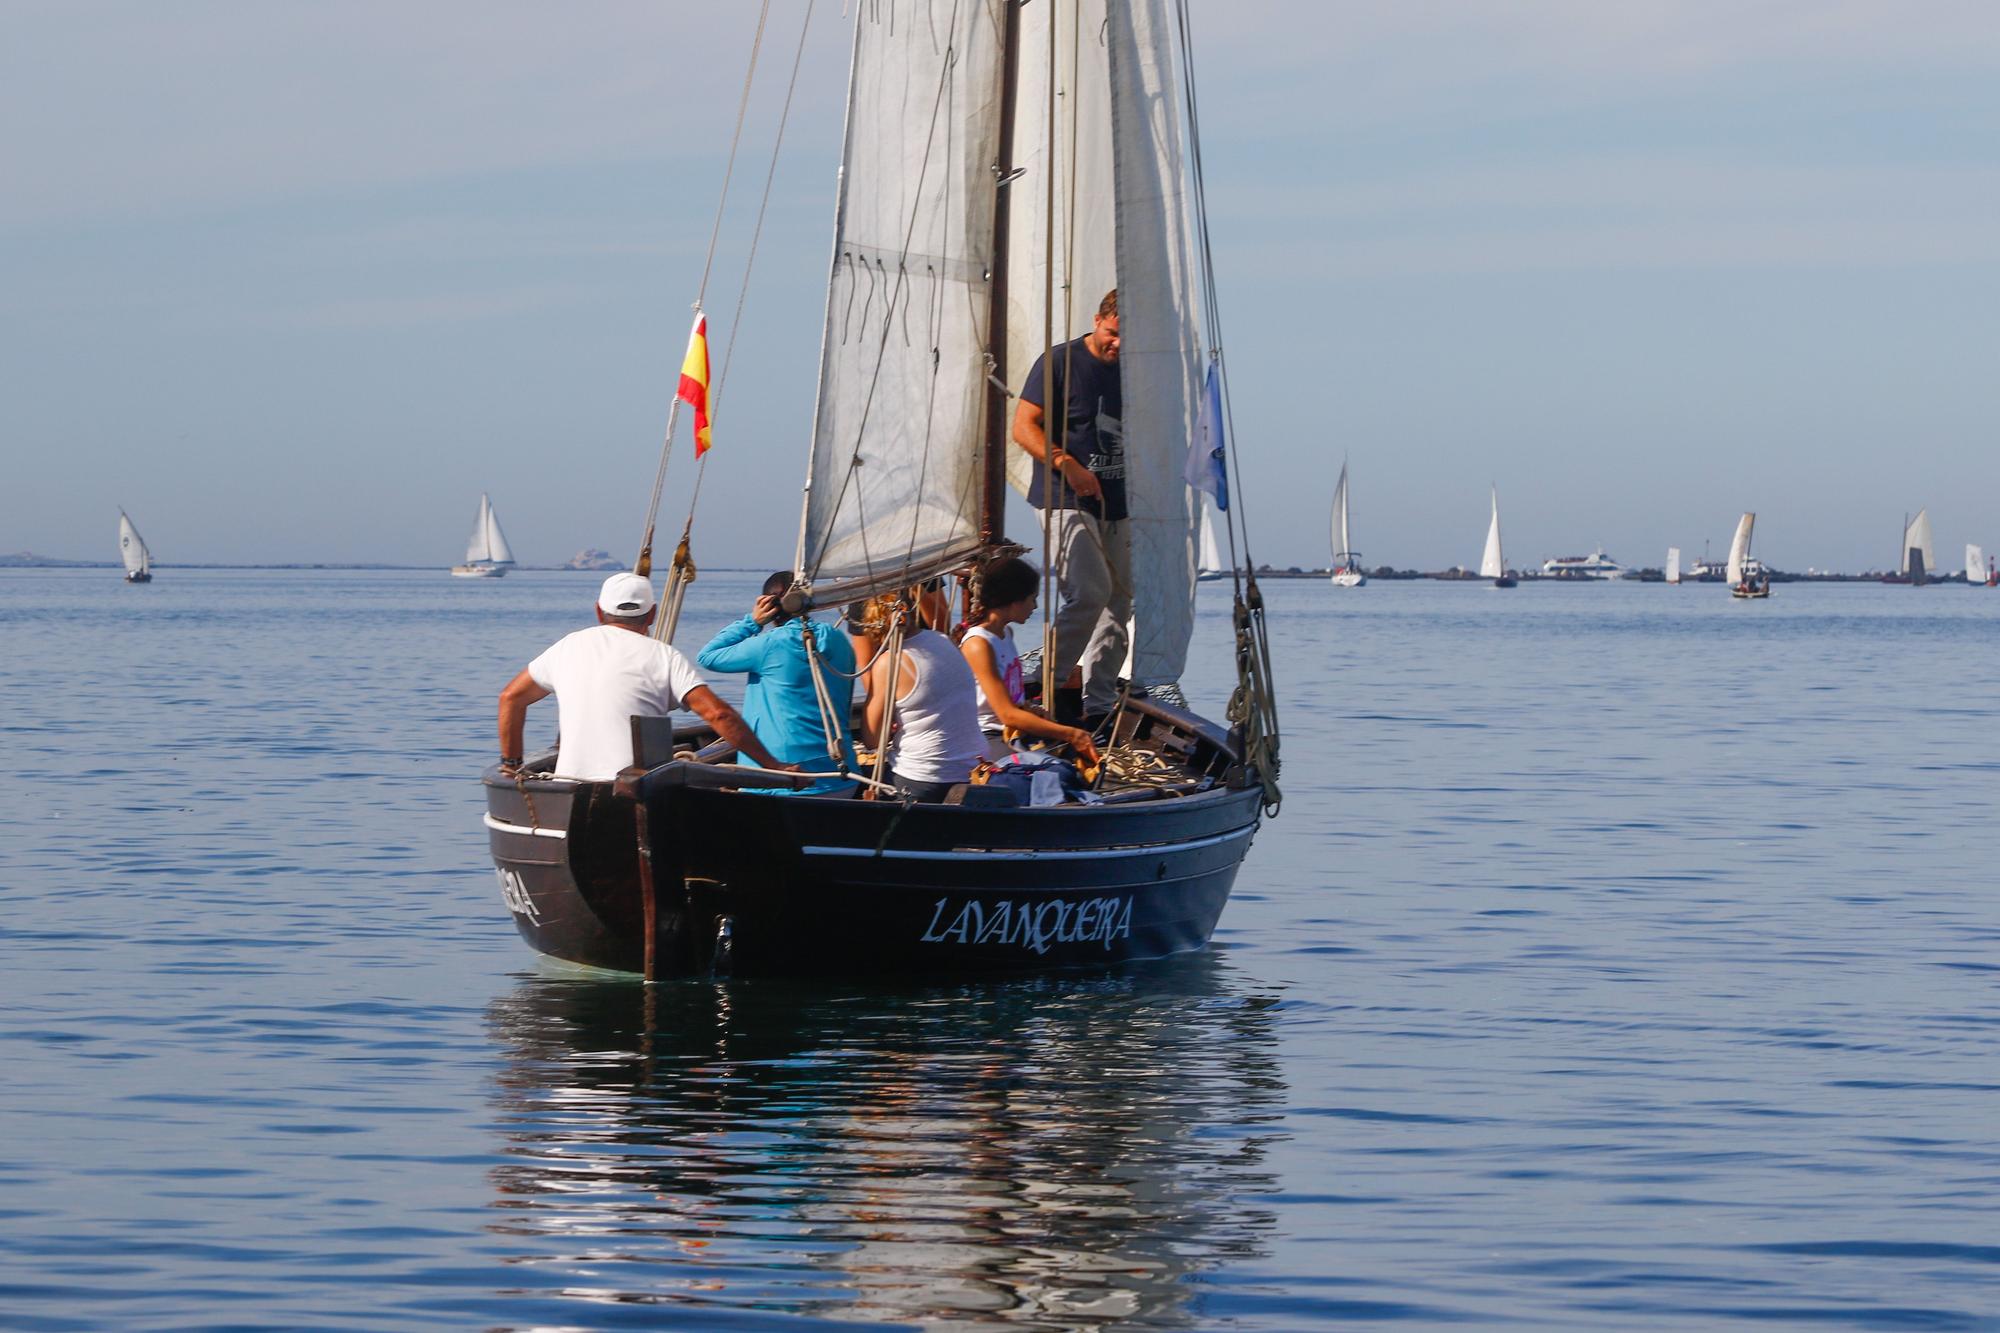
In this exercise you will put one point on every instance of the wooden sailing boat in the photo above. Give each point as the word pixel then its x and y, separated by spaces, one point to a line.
pixel 1493 563
pixel 1346 560
pixel 957 249
pixel 1738 573
pixel 1674 565
pixel 132 550
pixel 487 555
pixel 1918 556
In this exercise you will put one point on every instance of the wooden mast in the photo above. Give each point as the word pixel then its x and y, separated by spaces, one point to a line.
pixel 993 465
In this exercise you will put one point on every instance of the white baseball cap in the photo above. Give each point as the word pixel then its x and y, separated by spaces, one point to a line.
pixel 625 595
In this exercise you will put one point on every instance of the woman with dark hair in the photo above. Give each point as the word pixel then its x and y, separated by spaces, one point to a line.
pixel 1004 592
pixel 781 702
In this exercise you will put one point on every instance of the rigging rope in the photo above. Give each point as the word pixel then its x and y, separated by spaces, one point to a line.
pixel 893 645
pixel 947 70
pixel 1254 705
pixel 644 564
pixel 683 568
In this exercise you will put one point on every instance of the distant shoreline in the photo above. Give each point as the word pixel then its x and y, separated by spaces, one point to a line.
pixel 26 561
pixel 51 562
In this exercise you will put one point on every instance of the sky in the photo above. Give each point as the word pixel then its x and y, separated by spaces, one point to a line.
pixel 297 281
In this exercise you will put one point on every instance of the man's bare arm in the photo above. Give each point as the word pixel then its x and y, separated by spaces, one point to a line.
pixel 514 700
pixel 1031 433
pixel 729 725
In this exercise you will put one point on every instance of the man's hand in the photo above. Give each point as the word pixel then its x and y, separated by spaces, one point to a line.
pixel 1080 478
pixel 766 610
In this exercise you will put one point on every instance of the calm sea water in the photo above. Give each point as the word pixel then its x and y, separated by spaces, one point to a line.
pixel 1623 957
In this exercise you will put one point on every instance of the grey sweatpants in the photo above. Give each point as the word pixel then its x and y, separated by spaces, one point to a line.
pixel 1094 580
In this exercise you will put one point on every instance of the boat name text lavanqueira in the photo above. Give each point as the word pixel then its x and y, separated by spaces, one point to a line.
pixel 1033 925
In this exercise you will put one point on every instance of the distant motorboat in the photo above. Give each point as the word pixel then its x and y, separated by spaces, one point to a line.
pixel 1346 561
pixel 487 555
pixel 1596 565
pixel 1674 565
pixel 1493 564
pixel 132 549
pixel 1744 581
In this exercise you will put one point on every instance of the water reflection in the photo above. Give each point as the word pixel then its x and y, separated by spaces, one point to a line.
pixel 1057 1153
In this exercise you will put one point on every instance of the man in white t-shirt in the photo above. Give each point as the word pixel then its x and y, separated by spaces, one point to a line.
pixel 604 676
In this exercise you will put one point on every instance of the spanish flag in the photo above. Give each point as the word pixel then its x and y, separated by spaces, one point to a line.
pixel 694 382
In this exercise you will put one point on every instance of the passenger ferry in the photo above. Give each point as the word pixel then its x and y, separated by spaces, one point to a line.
pixel 1596 565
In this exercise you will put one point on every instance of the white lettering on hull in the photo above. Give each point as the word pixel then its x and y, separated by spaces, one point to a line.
pixel 1031 925
pixel 515 892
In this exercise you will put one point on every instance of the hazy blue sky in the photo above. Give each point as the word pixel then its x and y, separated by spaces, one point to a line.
pixel 299 280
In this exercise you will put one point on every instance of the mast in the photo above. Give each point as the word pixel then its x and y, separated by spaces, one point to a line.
pixel 993 467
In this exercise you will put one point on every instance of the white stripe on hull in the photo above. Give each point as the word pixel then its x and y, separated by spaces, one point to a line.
pixel 1031 854
pixel 502 826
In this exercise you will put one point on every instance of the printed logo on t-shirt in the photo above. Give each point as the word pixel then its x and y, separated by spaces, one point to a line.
pixel 1109 465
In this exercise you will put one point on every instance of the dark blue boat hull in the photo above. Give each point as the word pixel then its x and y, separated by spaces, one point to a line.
pixel 759 884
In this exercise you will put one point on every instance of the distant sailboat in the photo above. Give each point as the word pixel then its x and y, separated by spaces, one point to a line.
pixel 1919 557
pixel 1741 584
pixel 1493 564
pixel 1978 569
pixel 1674 565
pixel 132 547
pixel 1211 564
pixel 1346 561
pixel 487 555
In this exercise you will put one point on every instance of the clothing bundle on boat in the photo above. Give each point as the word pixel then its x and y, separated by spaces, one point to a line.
pixel 1036 778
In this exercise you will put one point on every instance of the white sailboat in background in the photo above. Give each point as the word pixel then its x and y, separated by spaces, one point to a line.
pixel 132 548
pixel 1346 561
pixel 1674 565
pixel 487 555
pixel 1919 556
pixel 1744 581
pixel 1493 563
pixel 1977 569
pixel 1210 562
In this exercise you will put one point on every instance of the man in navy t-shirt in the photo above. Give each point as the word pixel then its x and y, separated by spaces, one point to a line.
pixel 1093 547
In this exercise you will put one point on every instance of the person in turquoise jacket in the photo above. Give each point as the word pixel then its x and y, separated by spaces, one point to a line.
pixel 780 703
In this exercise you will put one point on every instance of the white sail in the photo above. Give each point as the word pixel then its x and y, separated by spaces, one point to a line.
pixel 497 549
pixel 1975 564
pixel 1082 264
pixel 893 487
pixel 1211 561
pixel 1492 564
pixel 487 545
pixel 1917 537
pixel 1739 549
pixel 1340 538
pixel 132 547
pixel 1121 142
pixel 1673 564
pixel 900 429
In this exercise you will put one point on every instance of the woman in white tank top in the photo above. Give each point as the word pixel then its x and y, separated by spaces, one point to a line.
pixel 1005 591
pixel 933 733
